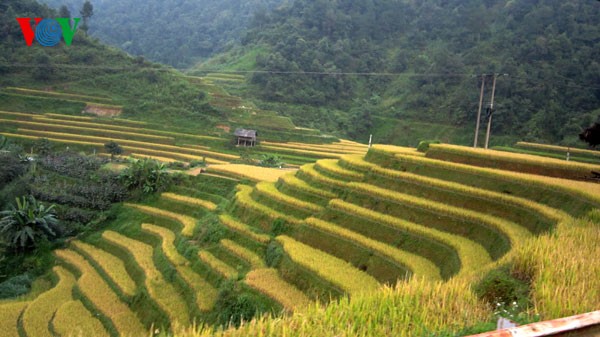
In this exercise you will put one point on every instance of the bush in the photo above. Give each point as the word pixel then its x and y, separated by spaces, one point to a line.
pixel 15 286
pixel 499 286
pixel 233 307
pixel 279 227
pixel 274 254
pixel 211 232
pixel 424 145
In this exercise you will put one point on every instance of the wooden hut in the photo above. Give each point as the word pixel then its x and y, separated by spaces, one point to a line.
pixel 246 137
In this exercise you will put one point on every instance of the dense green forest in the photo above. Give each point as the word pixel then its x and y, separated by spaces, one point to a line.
pixel 173 32
pixel 427 57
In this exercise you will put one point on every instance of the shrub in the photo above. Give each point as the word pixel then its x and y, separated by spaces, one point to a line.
pixel 15 286
pixel 146 175
pixel 274 254
pixel 232 307
pixel 424 145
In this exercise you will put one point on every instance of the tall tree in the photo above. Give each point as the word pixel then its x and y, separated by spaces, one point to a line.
pixel 64 12
pixel 591 135
pixel 87 11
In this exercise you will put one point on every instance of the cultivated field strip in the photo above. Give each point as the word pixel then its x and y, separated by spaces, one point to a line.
pixel 244 198
pixel 39 312
pixel 243 253
pixel 512 231
pixel 189 223
pixel 472 255
pixel 189 200
pixel 588 191
pixel 317 154
pixel 159 289
pixel 559 149
pixel 111 265
pixel 92 286
pixel 341 149
pixel 358 163
pixel 73 319
pixel 97 130
pixel 9 317
pixel 255 173
pixel 310 175
pixel 419 266
pixel 111 120
pixel 513 161
pixel 292 181
pixel 222 268
pixel 397 149
pixel 270 191
pixel 331 168
pixel 125 128
pixel 336 271
pixel 157 158
pixel 205 294
pixel 243 229
pixel 269 283
pixel 61 95
pixel 14 114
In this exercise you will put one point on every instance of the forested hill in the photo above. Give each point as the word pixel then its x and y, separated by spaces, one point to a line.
pixel 432 53
pixel 172 32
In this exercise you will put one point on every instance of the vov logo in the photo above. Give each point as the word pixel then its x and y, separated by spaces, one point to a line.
pixel 47 32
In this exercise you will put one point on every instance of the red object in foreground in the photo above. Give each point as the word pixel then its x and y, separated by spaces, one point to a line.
pixel 587 324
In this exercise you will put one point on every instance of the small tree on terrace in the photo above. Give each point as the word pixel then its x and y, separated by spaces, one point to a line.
pixel 113 148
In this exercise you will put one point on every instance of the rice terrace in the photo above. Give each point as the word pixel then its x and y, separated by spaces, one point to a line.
pixel 296 188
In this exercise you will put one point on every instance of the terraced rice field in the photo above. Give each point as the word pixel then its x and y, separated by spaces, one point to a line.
pixel 352 225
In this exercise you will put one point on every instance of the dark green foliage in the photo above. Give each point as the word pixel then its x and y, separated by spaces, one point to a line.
pixel 591 135
pixel 278 227
pixel 233 307
pixel 42 146
pixel 12 167
pixel 15 286
pixel 146 175
pixel 211 231
pixel 424 145
pixel 274 254
pixel 113 148
pixel 270 160
pixel 26 223
pixel 499 286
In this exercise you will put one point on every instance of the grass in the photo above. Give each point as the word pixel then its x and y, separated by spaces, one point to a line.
pixel 255 173
pixel 161 291
pixel 217 265
pixel 73 319
pixel 39 312
pixel 9 317
pixel 205 294
pixel 243 229
pixel 269 283
pixel 419 266
pixel 189 200
pixel 472 255
pixel 243 253
pixel 92 286
pixel 332 269
pixel 513 161
pixel 109 264
pixel 189 223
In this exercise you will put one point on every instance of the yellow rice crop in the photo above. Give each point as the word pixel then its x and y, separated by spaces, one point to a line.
pixel 292 180
pixel 124 128
pixel 331 166
pixel 243 229
pixel 58 94
pixel 93 287
pixel 18 114
pixel 55 140
pixel 243 197
pixel 40 311
pixel 165 154
pixel 97 129
pixel 157 158
pixel 161 291
pixel 518 158
pixel 205 294
pixel 472 255
pixel 420 266
pixel 190 201
pixel 73 319
pixel 411 309
pixel 514 232
pixel 341 144
pixel 189 223
pixel 397 149
pixel 319 148
pixel 251 172
pixel 339 272
pixel 558 148
pixel 217 265
pixel 111 265
pixel 308 153
pixel 309 170
pixel 9 317
pixel 269 190
pixel 588 191
pixel 61 116
pixel 268 282
pixel 360 164
pixel 129 121
pixel 564 268
pixel 244 253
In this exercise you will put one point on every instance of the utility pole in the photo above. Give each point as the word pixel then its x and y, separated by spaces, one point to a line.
pixel 489 126
pixel 370 140
pixel 479 111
